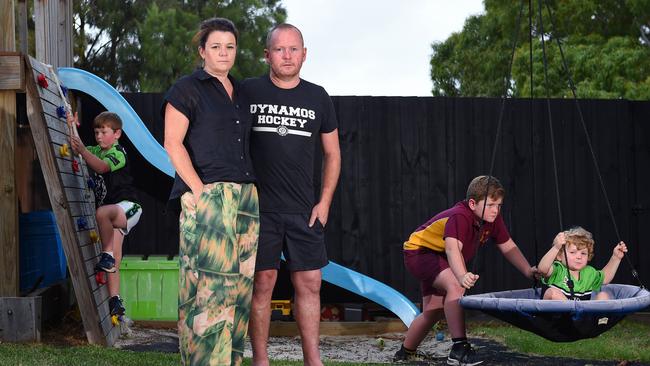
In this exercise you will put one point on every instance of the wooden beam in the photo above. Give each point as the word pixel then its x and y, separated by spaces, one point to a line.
pixel 7 25
pixel 12 76
pixel 23 39
pixel 20 319
pixel 8 203
pixel 64 31
pixel 53 30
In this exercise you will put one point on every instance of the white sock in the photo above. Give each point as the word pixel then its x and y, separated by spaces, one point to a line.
pixel 109 253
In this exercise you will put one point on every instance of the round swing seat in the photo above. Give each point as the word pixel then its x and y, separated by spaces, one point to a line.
pixel 560 321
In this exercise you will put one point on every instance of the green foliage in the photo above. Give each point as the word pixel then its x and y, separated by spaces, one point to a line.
pixel 146 45
pixel 601 41
pixel 166 52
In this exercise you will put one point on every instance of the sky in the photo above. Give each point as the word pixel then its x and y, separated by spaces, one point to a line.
pixel 375 47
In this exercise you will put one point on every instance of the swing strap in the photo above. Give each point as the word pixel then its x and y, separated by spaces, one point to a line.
pixel 497 136
pixel 635 274
pixel 550 123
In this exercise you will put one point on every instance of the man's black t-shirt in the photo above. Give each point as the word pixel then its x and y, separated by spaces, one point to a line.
pixel 286 126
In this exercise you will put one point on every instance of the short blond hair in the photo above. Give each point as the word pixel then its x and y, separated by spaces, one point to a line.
pixel 581 238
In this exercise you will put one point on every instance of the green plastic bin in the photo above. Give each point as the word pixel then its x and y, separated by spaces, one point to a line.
pixel 150 287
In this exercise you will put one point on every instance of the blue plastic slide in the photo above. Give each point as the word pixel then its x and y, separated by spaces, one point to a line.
pixel 142 139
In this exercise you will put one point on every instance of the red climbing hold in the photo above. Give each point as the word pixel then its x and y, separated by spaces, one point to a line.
pixel 100 277
pixel 42 81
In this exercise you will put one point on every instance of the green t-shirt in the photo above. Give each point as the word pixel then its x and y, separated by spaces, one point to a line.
pixel 116 185
pixel 590 279
pixel 115 157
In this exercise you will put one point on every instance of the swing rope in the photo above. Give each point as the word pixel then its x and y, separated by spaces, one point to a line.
pixel 569 281
pixel 550 123
pixel 572 86
pixel 532 130
pixel 72 131
pixel 497 136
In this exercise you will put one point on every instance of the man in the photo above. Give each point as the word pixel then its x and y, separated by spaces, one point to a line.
pixel 288 115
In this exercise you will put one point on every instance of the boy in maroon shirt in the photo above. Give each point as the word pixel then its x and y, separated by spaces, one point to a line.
pixel 437 253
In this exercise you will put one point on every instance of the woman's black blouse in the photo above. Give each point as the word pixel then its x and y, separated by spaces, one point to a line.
pixel 218 135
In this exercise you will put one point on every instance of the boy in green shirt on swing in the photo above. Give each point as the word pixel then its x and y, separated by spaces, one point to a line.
pixel 577 244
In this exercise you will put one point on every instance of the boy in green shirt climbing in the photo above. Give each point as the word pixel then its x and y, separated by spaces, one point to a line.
pixel 117 208
pixel 566 275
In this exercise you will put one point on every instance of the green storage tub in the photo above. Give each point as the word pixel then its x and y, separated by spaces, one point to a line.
pixel 150 287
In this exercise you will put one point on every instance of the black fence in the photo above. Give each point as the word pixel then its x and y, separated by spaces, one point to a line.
pixel 407 158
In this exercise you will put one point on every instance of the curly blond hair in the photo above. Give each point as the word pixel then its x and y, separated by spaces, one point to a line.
pixel 581 238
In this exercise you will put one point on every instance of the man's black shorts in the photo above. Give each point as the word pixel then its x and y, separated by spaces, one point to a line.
pixel 303 246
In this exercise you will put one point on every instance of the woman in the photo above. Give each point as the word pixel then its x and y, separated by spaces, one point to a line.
pixel 207 137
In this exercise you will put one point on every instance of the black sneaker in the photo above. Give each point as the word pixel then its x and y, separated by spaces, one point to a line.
pixel 106 263
pixel 115 306
pixel 403 355
pixel 462 354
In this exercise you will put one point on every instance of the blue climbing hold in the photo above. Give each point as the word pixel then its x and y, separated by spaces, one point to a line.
pixel 60 111
pixel 82 223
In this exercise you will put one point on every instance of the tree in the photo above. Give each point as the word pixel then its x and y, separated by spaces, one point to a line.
pixel 106 39
pixel 166 50
pixel 146 45
pixel 601 40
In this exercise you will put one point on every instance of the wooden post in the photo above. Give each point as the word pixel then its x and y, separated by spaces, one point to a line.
pixel 20 319
pixel 8 204
pixel 22 27
pixel 53 29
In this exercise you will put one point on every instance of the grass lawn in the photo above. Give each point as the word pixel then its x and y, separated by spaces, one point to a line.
pixel 45 355
pixel 628 340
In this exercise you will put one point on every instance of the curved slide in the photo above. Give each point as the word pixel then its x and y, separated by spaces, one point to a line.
pixel 142 139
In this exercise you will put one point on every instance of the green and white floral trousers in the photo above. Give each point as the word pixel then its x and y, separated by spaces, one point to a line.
pixel 218 245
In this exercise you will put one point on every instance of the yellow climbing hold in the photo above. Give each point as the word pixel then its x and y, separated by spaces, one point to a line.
pixel 64 150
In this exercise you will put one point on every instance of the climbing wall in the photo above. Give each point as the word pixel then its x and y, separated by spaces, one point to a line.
pixel 71 196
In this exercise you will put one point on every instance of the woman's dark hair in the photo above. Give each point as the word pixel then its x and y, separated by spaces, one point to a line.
pixel 214 24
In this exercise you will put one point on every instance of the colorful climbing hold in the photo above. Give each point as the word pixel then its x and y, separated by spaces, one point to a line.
pixel 42 81
pixel 64 150
pixel 100 278
pixel 60 111
pixel 93 236
pixel 82 223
